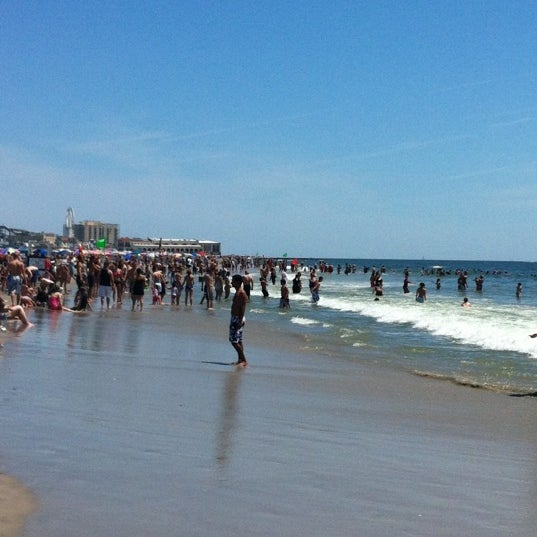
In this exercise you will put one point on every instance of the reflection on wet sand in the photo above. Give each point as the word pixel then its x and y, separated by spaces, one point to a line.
pixel 228 417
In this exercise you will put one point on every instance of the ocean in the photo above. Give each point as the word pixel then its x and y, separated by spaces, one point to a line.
pixel 486 345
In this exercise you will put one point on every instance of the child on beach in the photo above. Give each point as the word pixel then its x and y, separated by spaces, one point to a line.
pixel 175 294
pixel 157 299
pixel 236 324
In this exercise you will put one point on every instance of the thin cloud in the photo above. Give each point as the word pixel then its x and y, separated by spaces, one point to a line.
pixel 480 173
pixel 243 126
pixel 397 148
pixel 464 85
pixel 513 123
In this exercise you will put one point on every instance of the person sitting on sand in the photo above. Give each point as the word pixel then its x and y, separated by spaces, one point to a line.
pixel 12 313
pixel 55 301
pixel 82 302
pixel 27 296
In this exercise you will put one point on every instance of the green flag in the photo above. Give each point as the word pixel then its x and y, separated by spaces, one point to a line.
pixel 101 243
pixel 284 255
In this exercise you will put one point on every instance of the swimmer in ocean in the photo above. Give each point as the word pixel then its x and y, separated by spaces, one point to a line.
pixel 421 293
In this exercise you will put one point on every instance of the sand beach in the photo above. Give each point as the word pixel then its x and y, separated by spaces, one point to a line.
pixel 133 424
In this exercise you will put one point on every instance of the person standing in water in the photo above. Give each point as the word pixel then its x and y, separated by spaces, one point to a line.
pixel 315 289
pixel 236 324
pixel 421 293
pixel 284 296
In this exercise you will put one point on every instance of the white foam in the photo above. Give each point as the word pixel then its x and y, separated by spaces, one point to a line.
pixel 489 326
pixel 303 321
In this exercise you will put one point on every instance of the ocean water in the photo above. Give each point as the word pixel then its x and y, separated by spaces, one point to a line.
pixel 486 345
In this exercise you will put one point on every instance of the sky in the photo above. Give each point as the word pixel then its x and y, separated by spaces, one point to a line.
pixel 354 129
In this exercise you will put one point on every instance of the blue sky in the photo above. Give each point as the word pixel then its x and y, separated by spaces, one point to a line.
pixel 324 129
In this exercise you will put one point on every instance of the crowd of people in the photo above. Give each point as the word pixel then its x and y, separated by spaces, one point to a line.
pixel 105 281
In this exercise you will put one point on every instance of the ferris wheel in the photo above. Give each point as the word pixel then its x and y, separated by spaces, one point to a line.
pixel 69 221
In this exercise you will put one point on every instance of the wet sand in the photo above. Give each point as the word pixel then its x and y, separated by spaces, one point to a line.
pixel 16 503
pixel 134 424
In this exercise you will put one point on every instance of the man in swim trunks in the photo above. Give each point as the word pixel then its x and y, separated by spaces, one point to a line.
pixel 421 293
pixel 208 283
pixel 15 275
pixel 106 285
pixel 236 325
pixel 248 283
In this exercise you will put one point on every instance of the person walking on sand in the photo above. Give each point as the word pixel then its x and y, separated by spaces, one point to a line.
pixel 236 324
pixel 421 293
